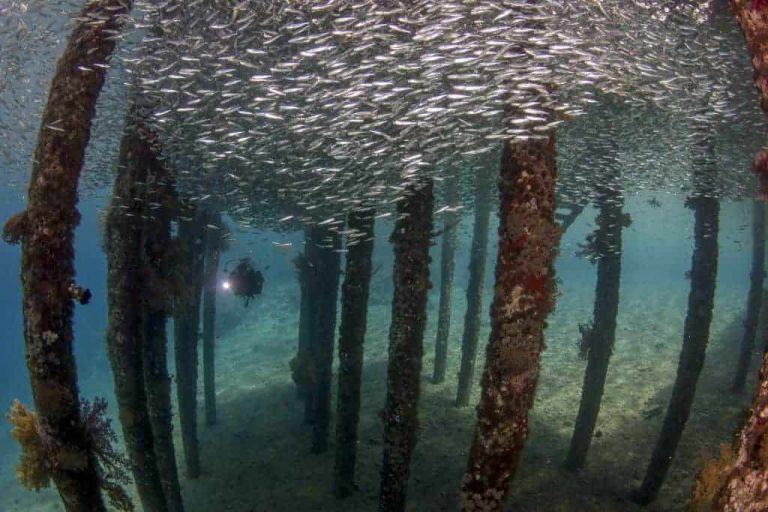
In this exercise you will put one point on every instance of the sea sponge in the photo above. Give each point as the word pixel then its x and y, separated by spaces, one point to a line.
pixel 33 470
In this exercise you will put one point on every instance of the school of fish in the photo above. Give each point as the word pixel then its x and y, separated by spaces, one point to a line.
pixel 287 112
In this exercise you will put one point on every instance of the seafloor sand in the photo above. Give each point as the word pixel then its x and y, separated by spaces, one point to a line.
pixel 256 458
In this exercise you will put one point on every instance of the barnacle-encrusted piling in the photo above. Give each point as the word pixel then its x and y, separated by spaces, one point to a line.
pixel 46 231
pixel 160 253
pixel 476 285
pixel 191 236
pixel 744 488
pixel 354 319
pixel 701 300
pixel 304 365
pixel 746 473
pixel 411 241
pixel 301 372
pixel 598 338
pixel 213 240
pixel 523 297
pixel 319 269
pixel 755 297
pixel 447 265
pixel 126 290
pixel 327 276
pixel 752 16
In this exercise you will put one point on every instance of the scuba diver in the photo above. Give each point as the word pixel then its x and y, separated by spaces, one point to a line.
pixel 245 281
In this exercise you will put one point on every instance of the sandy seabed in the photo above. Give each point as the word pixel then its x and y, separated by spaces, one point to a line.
pixel 257 457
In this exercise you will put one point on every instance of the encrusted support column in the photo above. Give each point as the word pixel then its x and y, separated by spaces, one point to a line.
pixel 698 318
pixel 742 468
pixel 523 297
pixel 46 231
pixel 319 271
pixel 301 370
pixel 213 241
pixel 354 319
pixel 126 288
pixel 186 331
pixel 160 253
pixel 745 482
pixel 327 277
pixel 411 241
pixel 744 488
pixel 447 266
pixel 304 365
pixel 752 16
pixel 476 285
pixel 599 336
pixel 755 297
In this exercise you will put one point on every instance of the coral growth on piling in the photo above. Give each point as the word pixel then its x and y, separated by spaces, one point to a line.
pixel 41 454
pixel 753 19
pixel 746 474
pixel 528 238
pixel 411 242
pixel 33 468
